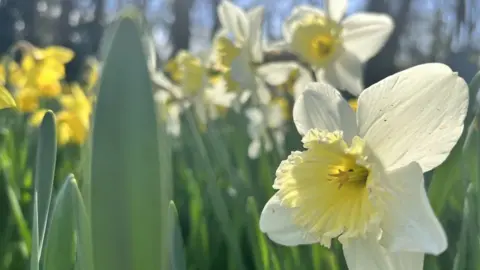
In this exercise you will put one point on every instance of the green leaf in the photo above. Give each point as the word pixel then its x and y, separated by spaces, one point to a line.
pixel 44 173
pixel 258 243
pixel 84 259
pixel 34 254
pixel 130 179
pixel 177 253
pixel 60 236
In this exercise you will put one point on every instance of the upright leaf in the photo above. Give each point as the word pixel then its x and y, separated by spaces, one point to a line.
pixel 129 198
pixel 44 172
pixel 59 249
pixel 177 253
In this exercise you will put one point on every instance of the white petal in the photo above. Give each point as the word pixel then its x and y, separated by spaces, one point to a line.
pixel 241 70
pixel 407 260
pixel 276 73
pixel 255 18
pixel 254 116
pixel 276 222
pixel 244 96
pixel 301 83
pixel 366 254
pixel 409 223
pixel 346 73
pixel 297 14
pixel 321 106
pixel 336 8
pixel 254 149
pixel 364 34
pixel 275 46
pixel 414 115
pixel 233 19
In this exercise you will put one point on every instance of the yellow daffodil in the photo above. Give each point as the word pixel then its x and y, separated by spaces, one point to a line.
pixel 44 68
pixel 27 100
pixel 360 177
pixel 337 48
pixel 74 118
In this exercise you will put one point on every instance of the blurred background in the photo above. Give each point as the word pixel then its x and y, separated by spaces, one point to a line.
pixel 426 30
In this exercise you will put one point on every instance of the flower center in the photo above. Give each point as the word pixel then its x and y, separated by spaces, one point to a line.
pixel 328 187
pixel 316 39
pixel 323 46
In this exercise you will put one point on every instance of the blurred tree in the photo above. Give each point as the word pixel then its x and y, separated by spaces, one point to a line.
pixel 383 64
pixel 180 29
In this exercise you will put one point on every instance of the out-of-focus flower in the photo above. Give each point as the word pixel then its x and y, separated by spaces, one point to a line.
pixel 288 77
pixel 27 100
pixel 238 44
pixel 74 118
pixel 189 72
pixel 266 122
pixel 337 48
pixel 169 111
pixel 45 68
pixel 360 178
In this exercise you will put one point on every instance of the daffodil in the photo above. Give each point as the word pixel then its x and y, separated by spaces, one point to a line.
pixel 288 77
pixel 360 177
pixel 238 44
pixel 169 111
pixel 273 117
pixel 337 48
pixel 74 118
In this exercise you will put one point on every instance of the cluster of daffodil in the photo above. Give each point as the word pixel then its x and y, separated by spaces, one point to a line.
pixel 360 177
pixel 36 83
pixel 233 74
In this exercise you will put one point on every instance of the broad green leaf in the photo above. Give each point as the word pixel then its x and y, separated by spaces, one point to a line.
pixel 44 172
pixel 176 247
pixel 129 177
pixel 60 236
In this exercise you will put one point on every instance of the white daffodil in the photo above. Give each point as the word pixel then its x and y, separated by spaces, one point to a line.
pixel 337 48
pixel 169 111
pixel 360 178
pixel 239 42
pixel 271 116
pixel 286 76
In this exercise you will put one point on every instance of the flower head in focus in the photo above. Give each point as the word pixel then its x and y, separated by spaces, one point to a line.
pixel 360 177
pixel 337 48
